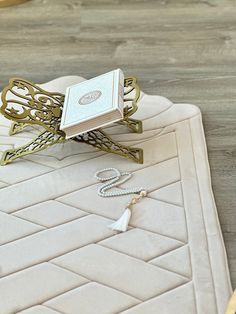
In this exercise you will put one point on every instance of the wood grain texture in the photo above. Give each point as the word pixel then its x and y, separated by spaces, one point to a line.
pixel 7 3
pixel 182 49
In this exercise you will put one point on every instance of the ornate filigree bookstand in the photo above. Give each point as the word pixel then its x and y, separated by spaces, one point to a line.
pixel 26 103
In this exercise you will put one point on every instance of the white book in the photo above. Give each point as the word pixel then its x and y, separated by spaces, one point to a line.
pixel 93 103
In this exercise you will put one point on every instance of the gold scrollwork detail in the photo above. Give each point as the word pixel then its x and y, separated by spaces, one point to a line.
pixel 26 104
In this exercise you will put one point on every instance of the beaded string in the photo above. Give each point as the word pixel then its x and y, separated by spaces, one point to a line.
pixel 114 181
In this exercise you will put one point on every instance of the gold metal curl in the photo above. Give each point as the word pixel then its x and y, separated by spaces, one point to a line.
pixel 27 104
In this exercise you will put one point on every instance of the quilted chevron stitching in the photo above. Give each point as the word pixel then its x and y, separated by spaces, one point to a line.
pixel 139 169
pixel 156 199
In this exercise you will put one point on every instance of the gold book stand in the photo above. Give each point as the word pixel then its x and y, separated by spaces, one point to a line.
pixel 27 104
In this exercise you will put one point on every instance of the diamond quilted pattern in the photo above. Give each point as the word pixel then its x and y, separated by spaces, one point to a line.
pixel 13 228
pixel 57 254
pixel 163 194
pixel 35 285
pixel 52 242
pixel 88 200
pixel 38 309
pixel 49 213
pixel 24 170
pixel 120 271
pixel 162 218
pixel 141 244
pixel 170 302
pixel 91 298
pixel 176 260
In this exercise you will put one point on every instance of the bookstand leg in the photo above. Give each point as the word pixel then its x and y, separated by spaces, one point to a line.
pixel 42 141
pixel 102 141
pixel 17 127
pixel 133 124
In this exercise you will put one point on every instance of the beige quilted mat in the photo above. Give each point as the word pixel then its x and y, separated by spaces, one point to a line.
pixel 57 254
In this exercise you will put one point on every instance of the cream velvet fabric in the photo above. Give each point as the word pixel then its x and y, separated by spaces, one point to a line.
pixel 57 254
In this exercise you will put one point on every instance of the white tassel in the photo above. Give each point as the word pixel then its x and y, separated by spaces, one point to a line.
pixel 122 223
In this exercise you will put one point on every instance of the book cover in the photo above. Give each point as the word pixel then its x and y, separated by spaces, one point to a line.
pixel 93 103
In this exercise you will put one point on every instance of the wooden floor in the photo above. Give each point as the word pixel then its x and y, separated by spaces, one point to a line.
pixel 182 49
